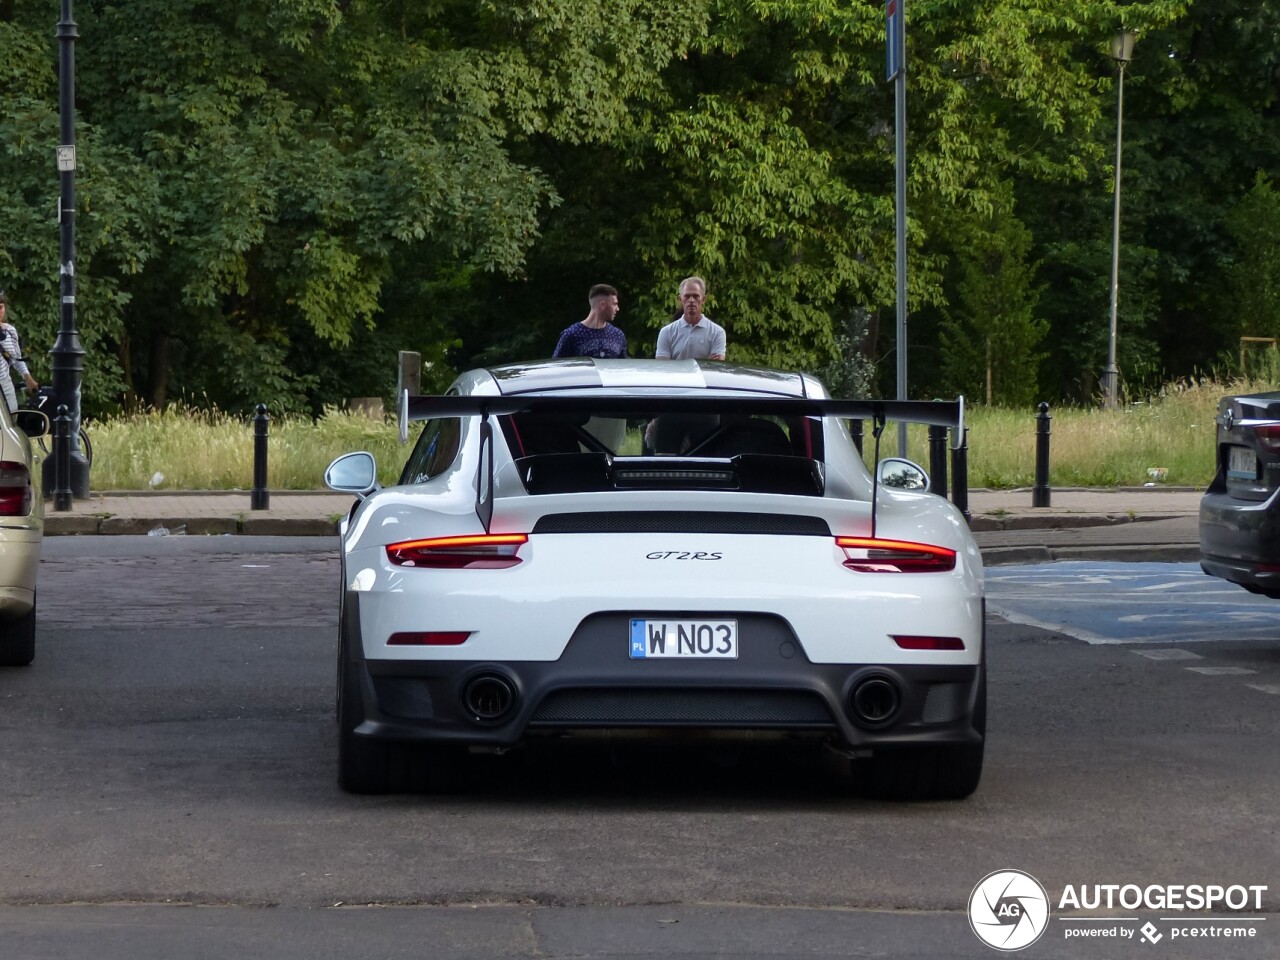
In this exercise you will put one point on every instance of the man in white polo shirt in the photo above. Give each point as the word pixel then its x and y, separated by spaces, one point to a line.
pixel 691 336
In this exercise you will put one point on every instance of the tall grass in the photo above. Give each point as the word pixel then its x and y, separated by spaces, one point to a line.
pixel 1171 433
pixel 183 448
pixel 188 449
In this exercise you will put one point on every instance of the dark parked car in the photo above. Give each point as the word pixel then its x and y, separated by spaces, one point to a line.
pixel 1240 512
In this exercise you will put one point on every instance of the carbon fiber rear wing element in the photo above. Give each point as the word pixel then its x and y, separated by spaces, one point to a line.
pixel 942 413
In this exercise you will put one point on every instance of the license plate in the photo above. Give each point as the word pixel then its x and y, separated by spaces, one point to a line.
pixel 684 639
pixel 1242 464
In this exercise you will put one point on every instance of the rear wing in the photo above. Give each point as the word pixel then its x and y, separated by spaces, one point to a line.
pixel 942 413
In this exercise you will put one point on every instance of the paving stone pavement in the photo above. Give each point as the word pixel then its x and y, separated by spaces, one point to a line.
pixel 1123 523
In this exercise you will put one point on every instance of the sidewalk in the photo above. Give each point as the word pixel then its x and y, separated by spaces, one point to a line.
pixel 1126 523
pixel 1121 523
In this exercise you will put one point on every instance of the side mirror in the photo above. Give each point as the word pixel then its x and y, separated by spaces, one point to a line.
pixel 901 474
pixel 355 473
pixel 32 422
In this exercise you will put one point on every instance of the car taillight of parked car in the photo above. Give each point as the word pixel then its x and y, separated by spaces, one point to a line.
pixel 15 489
pixel 1268 437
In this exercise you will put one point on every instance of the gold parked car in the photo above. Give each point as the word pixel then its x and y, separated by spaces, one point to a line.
pixel 21 533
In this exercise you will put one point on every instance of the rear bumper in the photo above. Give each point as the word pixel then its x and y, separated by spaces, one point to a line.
pixel 1240 540
pixel 19 568
pixel 595 685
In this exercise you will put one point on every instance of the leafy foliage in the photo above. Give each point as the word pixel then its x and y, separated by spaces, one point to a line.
pixel 991 338
pixel 277 195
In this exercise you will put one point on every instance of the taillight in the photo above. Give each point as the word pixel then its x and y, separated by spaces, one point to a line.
pixel 15 489
pixel 1269 437
pixel 872 555
pixel 929 643
pixel 484 551
pixel 429 638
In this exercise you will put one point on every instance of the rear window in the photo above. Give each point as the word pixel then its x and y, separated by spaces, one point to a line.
pixel 570 452
pixel 665 435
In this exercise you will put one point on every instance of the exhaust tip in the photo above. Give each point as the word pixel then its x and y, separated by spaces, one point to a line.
pixel 489 697
pixel 874 700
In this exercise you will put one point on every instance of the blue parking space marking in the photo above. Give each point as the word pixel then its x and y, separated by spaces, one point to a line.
pixel 1130 602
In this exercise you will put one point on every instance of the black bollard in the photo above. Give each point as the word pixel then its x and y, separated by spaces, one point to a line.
pixel 62 459
pixel 938 459
pixel 960 476
pixel 1040 492
pixel 260 497
pixel 855 431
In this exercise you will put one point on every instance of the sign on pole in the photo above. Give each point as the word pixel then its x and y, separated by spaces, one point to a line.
pixel 895 67
pixel 892 38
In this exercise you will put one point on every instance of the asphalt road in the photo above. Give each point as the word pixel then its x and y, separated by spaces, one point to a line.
pixel 167 789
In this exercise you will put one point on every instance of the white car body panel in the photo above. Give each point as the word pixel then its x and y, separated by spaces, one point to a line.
pixel 752 539
pixel 565 577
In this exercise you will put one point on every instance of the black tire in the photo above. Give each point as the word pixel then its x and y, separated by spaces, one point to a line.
pixel 370 766
pixel 18 640
pixel 86 447
pixel 919 773
pixel 942 772
pixel 363 763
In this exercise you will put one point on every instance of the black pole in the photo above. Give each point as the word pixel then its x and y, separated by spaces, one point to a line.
pixel 62 459
pixel 960 476
pixel 855 431
pixel 70 468
pixel 938 459
pixel 260 496
pixel 1040 492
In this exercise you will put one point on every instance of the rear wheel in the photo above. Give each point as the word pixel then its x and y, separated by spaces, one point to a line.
pixel 371 766
pixel 922 773
pixel 363 763
pixel 942 772
pixel 18 639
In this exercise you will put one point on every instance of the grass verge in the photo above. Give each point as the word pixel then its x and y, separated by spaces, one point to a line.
pixel 188 449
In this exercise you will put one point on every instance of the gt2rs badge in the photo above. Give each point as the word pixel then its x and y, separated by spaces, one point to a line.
pixel 684 555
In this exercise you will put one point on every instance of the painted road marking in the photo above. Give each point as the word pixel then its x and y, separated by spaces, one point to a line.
pixel 1265 687
pixel 1222 671
pixel 1138 603
pixel 1168 654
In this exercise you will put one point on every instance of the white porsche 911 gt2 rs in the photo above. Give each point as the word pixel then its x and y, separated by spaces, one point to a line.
pixel 583 545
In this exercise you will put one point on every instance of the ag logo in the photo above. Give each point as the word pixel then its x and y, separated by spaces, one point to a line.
pixel 1008 910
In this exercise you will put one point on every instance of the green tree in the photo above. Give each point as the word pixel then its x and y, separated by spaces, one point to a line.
pixel 1254 277
pixel 991 337
pixel 305 167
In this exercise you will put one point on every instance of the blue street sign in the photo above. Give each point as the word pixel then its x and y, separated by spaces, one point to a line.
pixel 893 45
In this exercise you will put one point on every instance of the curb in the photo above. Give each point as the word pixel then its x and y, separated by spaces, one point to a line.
pixel 1127 553
pixel 63 526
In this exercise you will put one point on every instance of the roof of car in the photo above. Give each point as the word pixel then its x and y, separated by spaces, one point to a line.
pixel 576 373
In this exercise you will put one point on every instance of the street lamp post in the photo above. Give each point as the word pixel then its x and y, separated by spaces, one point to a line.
pixel 67 355
pixel 1122 53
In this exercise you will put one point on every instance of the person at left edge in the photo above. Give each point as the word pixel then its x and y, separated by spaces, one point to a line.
pixel 595 336
pixel 11 358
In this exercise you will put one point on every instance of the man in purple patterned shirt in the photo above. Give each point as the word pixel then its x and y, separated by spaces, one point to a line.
pixel 595 336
